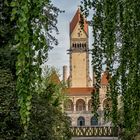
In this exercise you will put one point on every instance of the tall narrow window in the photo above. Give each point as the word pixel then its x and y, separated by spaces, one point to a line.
pixel 73 45
pixel 80 105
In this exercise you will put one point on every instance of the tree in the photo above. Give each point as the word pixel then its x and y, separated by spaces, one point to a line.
pixel 9 110
pixel 34 21
pixel 47 119
pixel 26 38
pixel 117 42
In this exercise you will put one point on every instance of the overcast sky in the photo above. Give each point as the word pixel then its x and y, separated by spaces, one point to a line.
pixel 58 56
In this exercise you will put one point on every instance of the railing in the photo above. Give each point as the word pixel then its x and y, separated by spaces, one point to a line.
pixel 94 131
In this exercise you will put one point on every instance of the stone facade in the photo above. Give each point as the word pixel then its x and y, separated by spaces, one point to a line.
pixel 78 105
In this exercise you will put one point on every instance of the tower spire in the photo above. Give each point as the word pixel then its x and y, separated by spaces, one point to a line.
pixel 76 19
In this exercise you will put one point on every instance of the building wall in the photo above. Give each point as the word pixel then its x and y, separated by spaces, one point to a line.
pixel 79 77
pixel 79 58
pixel 78 30
pixel 102 95
pixel 79 70
pixel 74 114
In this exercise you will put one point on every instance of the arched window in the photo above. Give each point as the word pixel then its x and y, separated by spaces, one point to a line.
pixel 80 105
pixel 81 121
pixel 69 105
pixel 94 120
pixel 73 45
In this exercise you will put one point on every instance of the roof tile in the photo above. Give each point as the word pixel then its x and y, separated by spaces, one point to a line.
pixel 75 20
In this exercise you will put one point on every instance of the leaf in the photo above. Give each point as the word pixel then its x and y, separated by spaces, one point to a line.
pixel 14 11
pixel 16 37
pixel 12 17
pixel 29 108
pixel 28 103
pixel 22 29
pixel 29 97
pixel 13 4
pixel 27 113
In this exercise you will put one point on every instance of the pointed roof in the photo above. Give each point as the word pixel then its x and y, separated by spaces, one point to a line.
pixel 75 20
pixel 54 77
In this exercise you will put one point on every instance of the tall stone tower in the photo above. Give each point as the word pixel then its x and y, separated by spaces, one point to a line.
pixel 78 106
pixel 79 57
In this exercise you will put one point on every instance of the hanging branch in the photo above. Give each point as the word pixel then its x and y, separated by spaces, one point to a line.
pixel 98 45
pixel 120 38
pixel 35 21
pixel 110 20
pixel 130 67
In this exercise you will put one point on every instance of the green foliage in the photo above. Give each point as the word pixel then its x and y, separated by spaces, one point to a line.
pixel 7 27
pixel 34 21
pixel 9 110
pixel 27 25
pixel 98 45
pixel 47 119
pixel 116 27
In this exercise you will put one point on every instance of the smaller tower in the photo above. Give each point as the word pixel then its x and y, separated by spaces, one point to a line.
pixel 65 73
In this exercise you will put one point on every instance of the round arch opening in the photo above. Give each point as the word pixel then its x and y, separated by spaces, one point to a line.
pixel 80 105
pixel 69 105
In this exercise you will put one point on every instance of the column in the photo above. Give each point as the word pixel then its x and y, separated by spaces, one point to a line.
pixel 86 102
pixel 74 104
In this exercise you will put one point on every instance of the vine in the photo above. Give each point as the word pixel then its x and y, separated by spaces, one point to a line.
pixel 98 46
pixel 120 23
pixel 110 47
pixel 32 29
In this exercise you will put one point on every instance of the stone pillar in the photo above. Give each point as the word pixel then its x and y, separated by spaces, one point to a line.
pixel 74 107
pixel 86 102
pixel 64 73
pixel 74 104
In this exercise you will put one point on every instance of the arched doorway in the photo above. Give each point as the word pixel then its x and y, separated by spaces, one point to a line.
pixel 81 121
pixel 80 105
pixel 94 120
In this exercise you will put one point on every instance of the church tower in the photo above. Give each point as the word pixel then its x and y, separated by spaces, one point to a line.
pixel 79 55
pixel 78 106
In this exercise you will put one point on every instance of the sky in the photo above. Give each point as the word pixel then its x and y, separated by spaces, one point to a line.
pixel 58 56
